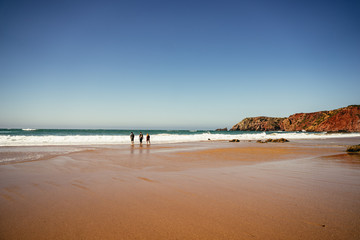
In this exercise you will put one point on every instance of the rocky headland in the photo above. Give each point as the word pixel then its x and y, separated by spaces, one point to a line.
pixel 345 119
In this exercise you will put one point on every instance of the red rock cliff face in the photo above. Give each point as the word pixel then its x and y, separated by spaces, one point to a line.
pixel 343 119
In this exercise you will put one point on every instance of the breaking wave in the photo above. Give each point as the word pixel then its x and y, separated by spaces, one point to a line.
pixel 158 138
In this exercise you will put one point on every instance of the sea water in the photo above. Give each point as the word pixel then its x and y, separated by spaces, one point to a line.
pixel 58 137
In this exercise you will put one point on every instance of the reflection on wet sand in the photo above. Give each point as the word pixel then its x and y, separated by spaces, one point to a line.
pixel 352 159
pixel 132 149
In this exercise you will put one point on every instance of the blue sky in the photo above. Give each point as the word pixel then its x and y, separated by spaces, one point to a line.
pixel 174 64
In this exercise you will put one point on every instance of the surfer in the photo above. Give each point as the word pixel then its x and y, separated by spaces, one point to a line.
pixel 141 137
pixel 132 138
pixel 147 139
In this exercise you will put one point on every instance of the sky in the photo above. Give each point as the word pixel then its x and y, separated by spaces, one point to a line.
pixel 174 64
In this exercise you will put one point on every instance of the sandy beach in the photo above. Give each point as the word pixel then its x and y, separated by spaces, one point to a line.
pixel 204 190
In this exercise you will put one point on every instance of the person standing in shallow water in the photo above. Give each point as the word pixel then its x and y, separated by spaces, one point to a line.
pixel 141 137
pixel 147 139
pixel 132 138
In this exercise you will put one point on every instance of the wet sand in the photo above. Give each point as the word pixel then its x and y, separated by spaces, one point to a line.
pixel 206 190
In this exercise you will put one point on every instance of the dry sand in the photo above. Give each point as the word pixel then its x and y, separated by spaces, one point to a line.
pixel 209 190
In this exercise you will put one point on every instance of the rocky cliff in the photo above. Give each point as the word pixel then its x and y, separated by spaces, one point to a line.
pixel 345 119
pixel 259 124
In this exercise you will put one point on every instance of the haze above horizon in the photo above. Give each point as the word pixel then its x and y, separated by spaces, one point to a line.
pixel 174 64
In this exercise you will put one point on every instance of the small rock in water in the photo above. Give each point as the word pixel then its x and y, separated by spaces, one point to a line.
pixel 221 129
pixel 353 148
pixel 280 140
pixel 234 140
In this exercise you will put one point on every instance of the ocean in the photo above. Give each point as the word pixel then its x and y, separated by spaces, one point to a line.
pixel 59 137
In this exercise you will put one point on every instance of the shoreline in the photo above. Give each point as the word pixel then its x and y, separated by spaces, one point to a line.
pixel 53 137
pixel 204 190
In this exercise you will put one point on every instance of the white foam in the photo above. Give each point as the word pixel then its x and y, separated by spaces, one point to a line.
pixel 7 140
pixel 28 129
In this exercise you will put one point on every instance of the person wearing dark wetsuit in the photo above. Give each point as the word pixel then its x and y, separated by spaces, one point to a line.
pixel 147 139
pixel 132 137
pixel 141 137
